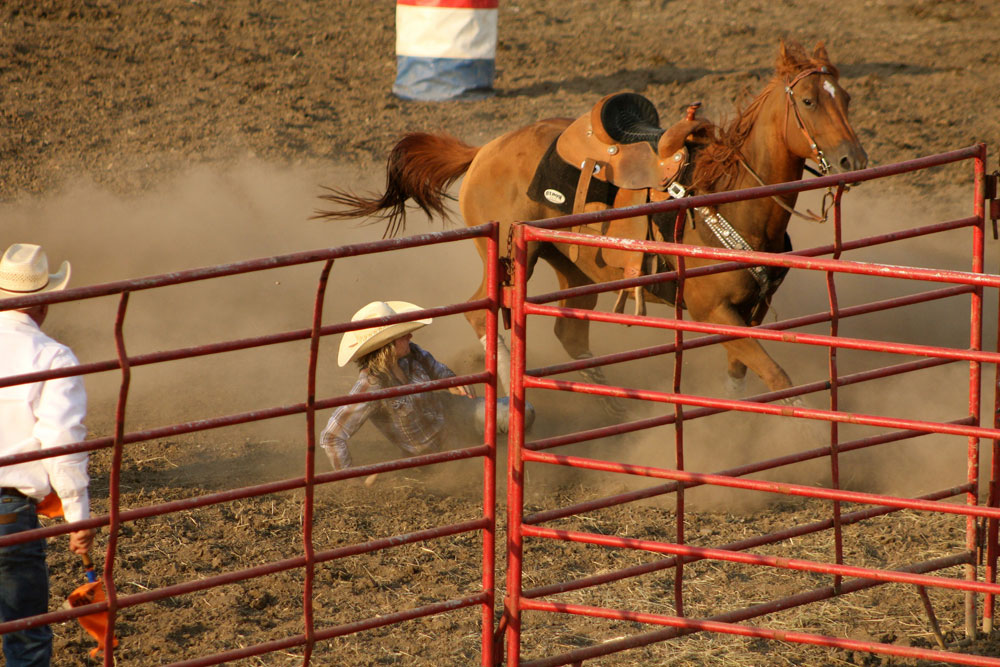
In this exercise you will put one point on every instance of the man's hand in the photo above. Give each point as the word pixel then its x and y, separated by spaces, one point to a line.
pixel 80 541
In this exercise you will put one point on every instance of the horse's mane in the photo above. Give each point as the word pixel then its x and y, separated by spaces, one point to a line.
pixel 716 163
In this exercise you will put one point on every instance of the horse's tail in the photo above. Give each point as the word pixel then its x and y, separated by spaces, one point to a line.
pixel 420 167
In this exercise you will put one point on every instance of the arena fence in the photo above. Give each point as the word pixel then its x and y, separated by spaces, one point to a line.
pixel 309 558
pixel 980 519
pixel 979 551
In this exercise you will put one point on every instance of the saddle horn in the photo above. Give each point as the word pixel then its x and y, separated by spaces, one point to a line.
pixel 673 139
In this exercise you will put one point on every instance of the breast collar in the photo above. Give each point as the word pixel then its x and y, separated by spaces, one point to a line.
pixel 726 235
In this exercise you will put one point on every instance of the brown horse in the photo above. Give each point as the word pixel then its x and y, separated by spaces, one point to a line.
pixel 801 114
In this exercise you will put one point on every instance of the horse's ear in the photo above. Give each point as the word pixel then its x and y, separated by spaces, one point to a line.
pixel 790 54
pixel 782 51
pixel 820 54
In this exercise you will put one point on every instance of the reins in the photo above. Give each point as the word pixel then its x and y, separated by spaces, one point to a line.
pixel 808 215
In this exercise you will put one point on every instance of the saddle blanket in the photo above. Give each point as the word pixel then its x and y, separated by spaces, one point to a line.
pixel 555 181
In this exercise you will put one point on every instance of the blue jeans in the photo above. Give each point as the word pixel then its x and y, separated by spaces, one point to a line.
pixel 24 585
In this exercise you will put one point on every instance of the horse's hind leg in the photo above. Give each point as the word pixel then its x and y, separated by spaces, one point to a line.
pixel 736 377
pixel 575 334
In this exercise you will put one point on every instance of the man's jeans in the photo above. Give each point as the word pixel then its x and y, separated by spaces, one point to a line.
pixel 24 585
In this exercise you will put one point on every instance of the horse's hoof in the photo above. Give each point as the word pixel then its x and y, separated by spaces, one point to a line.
pixel 792 402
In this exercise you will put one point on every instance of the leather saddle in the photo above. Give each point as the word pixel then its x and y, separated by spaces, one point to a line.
pixel 620 141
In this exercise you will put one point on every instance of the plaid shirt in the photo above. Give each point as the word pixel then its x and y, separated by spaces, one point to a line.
pixel 414 423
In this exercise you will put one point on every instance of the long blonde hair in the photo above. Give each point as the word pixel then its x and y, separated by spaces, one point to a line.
pixel 379 364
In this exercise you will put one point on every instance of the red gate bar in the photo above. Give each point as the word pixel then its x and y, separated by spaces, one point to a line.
pixel 247 266
pixel 773 606
pixel 739 471
pixel 764 633
pixel 706 340
pixel 764 258
pixel 797 564
pixel 976 152
pixel 784 488
pixel 653 278
pixel 747 543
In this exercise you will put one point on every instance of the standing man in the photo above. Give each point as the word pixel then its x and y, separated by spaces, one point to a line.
pixel 35 416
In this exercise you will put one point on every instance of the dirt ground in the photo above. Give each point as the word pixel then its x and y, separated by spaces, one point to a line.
pixel 140 138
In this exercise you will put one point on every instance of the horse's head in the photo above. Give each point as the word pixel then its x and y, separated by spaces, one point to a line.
pixel 816 125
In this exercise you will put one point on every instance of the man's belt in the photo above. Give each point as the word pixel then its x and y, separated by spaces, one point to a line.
pixel 11 491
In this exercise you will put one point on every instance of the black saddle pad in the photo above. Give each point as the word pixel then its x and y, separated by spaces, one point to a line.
pixel 555 181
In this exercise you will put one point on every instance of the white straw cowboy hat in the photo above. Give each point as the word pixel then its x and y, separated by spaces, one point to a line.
pixel 357 344
pixel 24 269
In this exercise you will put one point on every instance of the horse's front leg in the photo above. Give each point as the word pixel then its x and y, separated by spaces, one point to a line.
pixel 746 353
pixel 574 336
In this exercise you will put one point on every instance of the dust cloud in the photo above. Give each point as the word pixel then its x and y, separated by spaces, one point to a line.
pixel 210 216
pixel 911 467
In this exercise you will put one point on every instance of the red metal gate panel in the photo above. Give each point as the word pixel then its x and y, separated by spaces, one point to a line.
pixel 309 557
pixel 844 576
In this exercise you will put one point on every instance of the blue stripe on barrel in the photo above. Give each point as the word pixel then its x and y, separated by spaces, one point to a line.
pixel 445 49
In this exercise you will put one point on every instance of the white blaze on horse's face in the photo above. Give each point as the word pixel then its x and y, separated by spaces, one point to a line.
pixel 819 128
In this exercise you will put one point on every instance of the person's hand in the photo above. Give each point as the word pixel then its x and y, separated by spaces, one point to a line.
pixel 80 541
pixel 466 390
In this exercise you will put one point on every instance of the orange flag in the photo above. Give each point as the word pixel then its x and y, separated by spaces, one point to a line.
pixel 95 624
pixel 51 506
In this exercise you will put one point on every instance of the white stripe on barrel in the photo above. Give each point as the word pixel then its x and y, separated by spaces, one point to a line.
pixel 445 48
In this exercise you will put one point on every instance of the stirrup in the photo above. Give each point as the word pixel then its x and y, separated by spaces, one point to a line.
pixel 640 301
pixel 620 301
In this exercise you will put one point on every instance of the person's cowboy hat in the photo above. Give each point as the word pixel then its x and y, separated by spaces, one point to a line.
pixel 24 269
pixel 356 344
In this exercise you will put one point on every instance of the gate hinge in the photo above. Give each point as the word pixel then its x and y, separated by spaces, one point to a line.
pixel 991 197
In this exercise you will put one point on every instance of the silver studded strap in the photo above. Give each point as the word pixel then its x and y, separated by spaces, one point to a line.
pixel 730 238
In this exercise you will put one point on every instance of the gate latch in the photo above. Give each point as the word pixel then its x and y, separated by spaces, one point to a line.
pixel 991 198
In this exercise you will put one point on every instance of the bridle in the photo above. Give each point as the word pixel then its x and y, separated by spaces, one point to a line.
pixel 818 156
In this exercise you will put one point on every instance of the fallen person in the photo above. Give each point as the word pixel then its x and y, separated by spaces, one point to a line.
pixel 387 357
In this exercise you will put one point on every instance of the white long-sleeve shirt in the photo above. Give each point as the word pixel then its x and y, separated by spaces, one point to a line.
pixel 41 415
